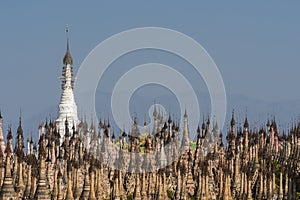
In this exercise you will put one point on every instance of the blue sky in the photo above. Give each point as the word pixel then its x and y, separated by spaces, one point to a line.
pixel 255 44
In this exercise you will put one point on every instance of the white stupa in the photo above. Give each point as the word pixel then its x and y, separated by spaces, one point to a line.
pixel 67 109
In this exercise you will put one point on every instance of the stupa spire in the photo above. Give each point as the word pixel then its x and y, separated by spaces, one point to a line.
pixel 68 60
pixel 67 105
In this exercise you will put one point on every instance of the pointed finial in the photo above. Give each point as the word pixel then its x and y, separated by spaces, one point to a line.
pixel 208 120
pixel 108 123
pixel 20 117
pixel 9 134
pixel 203 123
pixel 46 123
pixel 67 58
pixel 170 119
pixel 185 114
pixel 145 121
pixel 198 129
pixel 246 124
pixel 232 119
pixel 100 122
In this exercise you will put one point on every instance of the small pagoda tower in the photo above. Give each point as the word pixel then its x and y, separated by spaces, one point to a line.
pixel 67 108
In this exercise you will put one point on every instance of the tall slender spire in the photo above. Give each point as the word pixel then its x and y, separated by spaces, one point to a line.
pixel 185 138
pixel 67 105
pixel 68 60
pixel 232 122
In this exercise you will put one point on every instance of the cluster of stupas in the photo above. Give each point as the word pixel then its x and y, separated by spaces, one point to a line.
pixel 95 165
pixel 74 160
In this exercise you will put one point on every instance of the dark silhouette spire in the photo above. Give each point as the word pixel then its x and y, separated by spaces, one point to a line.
pixel 232 119
pixel 170 119
pixel 198 129
pixel 9 141
pixel 68 58
pixel 100 124
pixel 20 130
pixel 108 123
pixel 246 124
pixel 208 121
pixel 203 123
pixel 185 114
pixel 19 146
